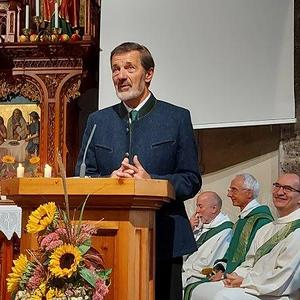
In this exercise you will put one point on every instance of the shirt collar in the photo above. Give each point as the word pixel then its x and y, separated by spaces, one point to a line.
pixel 248 208
pixel 295 215
pixel 219 219
pixel 129 109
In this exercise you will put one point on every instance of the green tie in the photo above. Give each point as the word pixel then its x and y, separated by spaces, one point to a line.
pixel 134 115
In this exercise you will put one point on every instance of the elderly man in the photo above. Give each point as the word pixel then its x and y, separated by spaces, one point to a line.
pixel 142 137
pixel 272 266
pixel 212 231
pixel 243 191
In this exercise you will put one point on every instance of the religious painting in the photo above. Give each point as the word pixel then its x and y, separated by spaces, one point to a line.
pixel 19 136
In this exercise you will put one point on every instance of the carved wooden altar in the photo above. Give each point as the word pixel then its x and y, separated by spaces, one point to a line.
pixel 54 74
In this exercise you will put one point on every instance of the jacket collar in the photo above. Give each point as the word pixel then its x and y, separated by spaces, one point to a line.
pixel 121 110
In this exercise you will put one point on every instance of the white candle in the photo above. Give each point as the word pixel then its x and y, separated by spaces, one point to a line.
pixel 37 8
pixel 27 16
pixel 20 171
pixel 47 171
pixel 56 15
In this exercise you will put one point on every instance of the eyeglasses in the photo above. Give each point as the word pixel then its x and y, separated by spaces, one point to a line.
pixel 285 188
pixel 234 190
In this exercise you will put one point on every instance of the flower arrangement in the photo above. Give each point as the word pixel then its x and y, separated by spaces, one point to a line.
pixel 65 265
pixel 7 166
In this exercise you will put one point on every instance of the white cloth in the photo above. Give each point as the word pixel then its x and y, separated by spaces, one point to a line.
pixel 17 151
pixel 275 275
pixel 10 220
pixel 248 208
pixel 207 253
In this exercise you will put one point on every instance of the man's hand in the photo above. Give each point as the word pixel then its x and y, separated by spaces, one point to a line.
pixel 139 171
pixel 233 280
pixel 217 277
pixel 194 220
pixel 123 172
pixel 128 170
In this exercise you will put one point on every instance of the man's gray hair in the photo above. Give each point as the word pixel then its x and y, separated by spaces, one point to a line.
pixel 250 183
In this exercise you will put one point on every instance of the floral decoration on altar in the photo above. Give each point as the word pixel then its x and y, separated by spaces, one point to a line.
pixel 65 265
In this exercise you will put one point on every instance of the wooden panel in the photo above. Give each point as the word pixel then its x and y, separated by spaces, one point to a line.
pixel 124 213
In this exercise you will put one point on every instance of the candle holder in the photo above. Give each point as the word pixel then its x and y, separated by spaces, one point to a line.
pixel 38 20
pixel 56 32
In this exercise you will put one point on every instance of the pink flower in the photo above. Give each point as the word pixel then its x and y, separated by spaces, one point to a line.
pixel 36 278
pixel 101 290
pixel 62 232
pixel 86 231
pixel 51 241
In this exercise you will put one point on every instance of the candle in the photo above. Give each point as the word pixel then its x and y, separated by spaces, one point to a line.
pixel 27 16
pixel 47 171
pixel 37 8
pixel 56 15
pixel 20 171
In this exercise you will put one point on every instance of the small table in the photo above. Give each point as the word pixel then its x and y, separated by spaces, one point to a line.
pixel 10 223
pixel 17 149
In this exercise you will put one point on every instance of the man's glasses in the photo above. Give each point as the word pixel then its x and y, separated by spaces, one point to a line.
pixel 234 190
pixel 285 188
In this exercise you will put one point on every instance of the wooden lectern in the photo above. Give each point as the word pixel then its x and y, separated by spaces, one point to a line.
pixel 126 235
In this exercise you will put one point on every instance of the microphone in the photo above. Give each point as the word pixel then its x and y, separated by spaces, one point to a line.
pixel 83 165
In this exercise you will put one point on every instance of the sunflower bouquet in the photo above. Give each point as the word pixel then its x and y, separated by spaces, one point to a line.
pixel 65 265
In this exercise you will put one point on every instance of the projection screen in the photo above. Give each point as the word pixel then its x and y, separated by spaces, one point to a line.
pixel 230 62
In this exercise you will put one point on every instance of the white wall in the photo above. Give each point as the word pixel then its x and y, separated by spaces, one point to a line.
pixel 264 168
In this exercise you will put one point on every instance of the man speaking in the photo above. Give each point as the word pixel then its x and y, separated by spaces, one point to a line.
pixel 143 138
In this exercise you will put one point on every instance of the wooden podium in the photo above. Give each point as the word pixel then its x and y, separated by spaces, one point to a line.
pixel 126 235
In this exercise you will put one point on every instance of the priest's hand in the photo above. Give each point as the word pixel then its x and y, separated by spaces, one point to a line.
pixel 217 277
pixel 194 220
pixel 233 280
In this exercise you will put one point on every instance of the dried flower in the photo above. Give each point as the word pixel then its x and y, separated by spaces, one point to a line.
pixel 65 265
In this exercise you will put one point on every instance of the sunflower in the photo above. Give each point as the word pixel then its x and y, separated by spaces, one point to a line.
pixel 15 277
pixel 8 159
pixel 42 217
pixel 64 260
pixel 34 160
pixel 40 292
pixel 54 293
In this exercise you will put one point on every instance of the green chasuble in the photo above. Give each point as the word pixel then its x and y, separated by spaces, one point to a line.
pixel 244 232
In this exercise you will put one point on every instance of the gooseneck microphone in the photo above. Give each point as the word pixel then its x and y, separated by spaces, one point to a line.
pixel 83 165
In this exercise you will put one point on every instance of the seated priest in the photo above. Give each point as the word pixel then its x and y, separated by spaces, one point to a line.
pixel 212 230
pixel 243 191
pixel 272 266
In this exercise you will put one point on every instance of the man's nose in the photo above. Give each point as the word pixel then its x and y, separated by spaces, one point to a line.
pixel 122 74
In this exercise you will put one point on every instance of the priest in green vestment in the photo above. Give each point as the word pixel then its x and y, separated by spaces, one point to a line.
pixel 212 231
pixel 271 270
pixel 243 192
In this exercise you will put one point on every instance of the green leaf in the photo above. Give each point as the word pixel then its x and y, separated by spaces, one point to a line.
pixel 104 274
pixel 84 248
pixel 88 276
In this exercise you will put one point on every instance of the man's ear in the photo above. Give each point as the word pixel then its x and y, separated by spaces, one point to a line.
pixel 250 194
pixel 149 75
